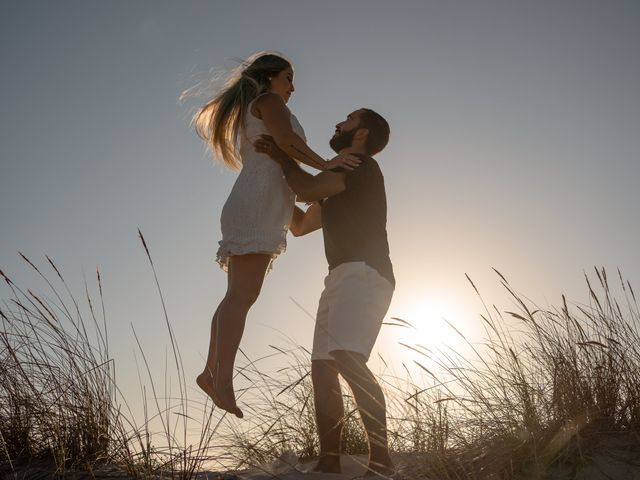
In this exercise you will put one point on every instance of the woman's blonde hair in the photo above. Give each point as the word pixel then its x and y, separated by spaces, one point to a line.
pixel 218 122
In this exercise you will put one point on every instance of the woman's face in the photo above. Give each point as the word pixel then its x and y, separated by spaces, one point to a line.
pixel 282 84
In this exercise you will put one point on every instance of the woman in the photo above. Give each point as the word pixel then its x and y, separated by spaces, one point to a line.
pixel 257 214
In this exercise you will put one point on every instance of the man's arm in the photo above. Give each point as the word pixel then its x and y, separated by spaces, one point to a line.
pixel 310 188
pixel 307 187
pixel 306 222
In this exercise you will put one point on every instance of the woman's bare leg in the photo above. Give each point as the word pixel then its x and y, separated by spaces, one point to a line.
pixel 213 340
pixel 205 379
pixel 246 275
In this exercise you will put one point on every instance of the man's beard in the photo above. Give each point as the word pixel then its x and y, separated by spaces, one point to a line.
pixel 342 140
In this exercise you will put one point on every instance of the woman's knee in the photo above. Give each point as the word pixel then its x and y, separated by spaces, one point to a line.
pixel 241 298
pixel 246 275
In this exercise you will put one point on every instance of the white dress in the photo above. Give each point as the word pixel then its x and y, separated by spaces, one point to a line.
pixel 256 216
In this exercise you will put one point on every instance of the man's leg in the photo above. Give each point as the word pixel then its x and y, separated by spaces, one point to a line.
pixel 329 414
pixel 371 404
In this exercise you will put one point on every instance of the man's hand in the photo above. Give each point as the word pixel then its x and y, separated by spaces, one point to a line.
pixel 266 144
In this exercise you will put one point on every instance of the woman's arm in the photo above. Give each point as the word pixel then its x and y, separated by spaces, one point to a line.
pixel 277 118
pixel 307 187
pixel 306 222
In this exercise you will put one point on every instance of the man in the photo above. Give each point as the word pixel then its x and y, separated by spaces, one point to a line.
pixel 350 207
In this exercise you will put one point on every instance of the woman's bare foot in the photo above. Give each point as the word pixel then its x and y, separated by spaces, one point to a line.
pixel 222 399
pixel 226 395
pixel 205 382
pixel 328 463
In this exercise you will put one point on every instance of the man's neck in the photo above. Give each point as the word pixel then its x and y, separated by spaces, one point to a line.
pixel 353 149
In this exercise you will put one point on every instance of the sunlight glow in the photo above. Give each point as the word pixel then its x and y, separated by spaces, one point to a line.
pixel 434 320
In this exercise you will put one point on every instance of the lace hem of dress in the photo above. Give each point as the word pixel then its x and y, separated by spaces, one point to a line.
pixel 228 249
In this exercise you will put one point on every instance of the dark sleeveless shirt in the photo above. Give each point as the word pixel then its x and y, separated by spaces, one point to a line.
pixel 354 222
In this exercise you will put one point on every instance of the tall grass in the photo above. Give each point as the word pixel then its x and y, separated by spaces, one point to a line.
pixel 544 389
pixel 57 383
pixel 60 406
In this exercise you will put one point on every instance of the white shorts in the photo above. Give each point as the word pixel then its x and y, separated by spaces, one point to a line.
pixel 351 309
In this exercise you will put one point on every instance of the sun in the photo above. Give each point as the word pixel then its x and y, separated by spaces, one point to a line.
pixel 438 326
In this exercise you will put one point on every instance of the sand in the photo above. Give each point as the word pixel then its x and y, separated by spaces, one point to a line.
pixel 612 461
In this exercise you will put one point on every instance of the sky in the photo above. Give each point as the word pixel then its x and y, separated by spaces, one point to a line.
pixel 514 145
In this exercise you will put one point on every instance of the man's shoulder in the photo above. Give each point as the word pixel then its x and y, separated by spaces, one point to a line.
pixel 368 167
pixel 369 162
pixel 368 171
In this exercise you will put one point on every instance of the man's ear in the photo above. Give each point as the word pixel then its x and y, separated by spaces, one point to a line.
pixel 361 135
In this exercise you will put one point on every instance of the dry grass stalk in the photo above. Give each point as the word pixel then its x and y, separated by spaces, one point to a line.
pixel 544 388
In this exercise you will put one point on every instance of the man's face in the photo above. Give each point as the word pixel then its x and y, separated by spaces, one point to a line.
pixel 345 132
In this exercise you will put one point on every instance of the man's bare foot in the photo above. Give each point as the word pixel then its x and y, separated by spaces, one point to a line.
pixel 328 463
pixel 225 402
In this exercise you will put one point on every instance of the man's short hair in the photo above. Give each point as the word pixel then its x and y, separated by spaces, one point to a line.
pixel 378 130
